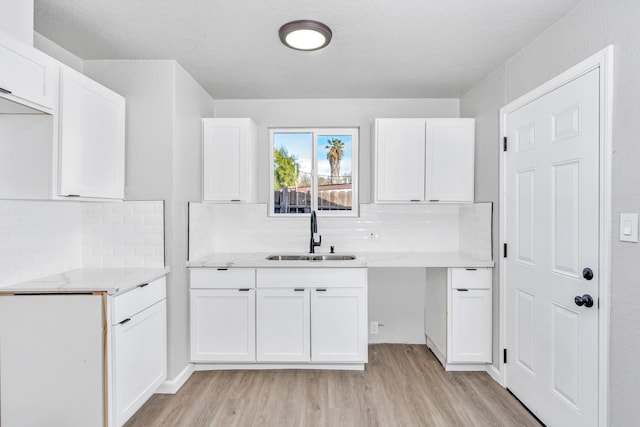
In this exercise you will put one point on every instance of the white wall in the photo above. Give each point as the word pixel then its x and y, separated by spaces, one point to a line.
pixel 483 102
pixel 590 27
pixel 268 113
pixel 56 51
pixel 163 134
pixel 16 19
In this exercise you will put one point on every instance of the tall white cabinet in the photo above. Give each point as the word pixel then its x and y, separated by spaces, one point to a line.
pixel 424 160
pixel 229 153
pixel 91 138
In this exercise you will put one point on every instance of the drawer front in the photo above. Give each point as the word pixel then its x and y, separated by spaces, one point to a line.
pixel 128 304
pixel 222 278
pixel 471 278
pixel 311 277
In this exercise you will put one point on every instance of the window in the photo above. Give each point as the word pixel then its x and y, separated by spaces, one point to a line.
pixel 314 169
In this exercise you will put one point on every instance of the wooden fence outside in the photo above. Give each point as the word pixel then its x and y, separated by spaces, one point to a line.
pixel 296 200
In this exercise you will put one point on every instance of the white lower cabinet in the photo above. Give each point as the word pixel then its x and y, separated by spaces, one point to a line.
pixel 339 325
pixel 469 319
pixel 283 327
pixel 68 364
pixel 223 312
pixel 140 359
pixel 316 315
pixel 223 325
pixel 279 316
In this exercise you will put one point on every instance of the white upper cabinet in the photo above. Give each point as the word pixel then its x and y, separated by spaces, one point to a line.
pixel 400 151
pixel 450 160
pixel 424 160
pixel 91 138
pixel 27 76
pixel 229 160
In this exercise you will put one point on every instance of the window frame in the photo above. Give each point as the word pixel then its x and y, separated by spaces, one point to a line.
pixel 354 132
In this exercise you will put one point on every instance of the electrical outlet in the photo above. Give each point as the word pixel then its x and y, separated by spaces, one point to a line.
pixel 374 327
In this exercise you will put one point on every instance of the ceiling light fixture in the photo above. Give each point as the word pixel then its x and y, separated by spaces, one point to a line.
pixel 305 35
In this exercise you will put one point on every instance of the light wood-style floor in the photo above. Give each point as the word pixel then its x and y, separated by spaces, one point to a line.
pixel 403 385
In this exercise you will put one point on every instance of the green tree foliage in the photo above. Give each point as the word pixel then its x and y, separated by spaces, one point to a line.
pixel 335 151
pixel 286 168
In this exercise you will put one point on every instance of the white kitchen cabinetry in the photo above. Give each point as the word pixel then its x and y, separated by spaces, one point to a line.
pixel 283 327
pixel 27 77
pixel 314 315
pixel 68 363
pixel 469 316
pixel 338 324
pixel 222 315
pixel 139 347
pixel 424 160
pixel 91 138
pixel 229 160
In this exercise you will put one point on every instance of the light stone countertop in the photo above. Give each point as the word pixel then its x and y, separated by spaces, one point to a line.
pixel 113 281
pixel 363 260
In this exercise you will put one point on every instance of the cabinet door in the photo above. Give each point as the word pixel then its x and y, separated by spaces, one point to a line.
pixel 139 359
pixel 27 75
pixel 228 160
pixel 470 326
pixel 283 325
pixel 338 325
pixel 91 138
pixel 450 160
pixel 223 325
pixel 400 157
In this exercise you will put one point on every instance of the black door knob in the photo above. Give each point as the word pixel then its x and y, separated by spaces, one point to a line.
pixel 587 273
pixel 585 300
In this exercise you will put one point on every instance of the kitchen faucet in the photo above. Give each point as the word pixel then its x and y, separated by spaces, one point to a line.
pixel 314 229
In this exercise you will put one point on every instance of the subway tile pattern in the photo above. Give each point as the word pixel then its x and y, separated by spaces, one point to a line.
pixel 380 228
pixel 475 230
pixel 201 229
pixel 38 238
pixel 127 234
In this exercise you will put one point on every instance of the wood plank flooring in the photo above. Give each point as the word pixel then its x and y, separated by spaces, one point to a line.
pixel 403 385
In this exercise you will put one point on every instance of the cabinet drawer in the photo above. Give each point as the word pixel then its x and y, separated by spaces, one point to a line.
pixel 311 277
pixel 222 278
pixel 137 299
pixel 470 278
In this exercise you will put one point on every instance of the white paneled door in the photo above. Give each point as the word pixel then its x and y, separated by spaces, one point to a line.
pixel 552 220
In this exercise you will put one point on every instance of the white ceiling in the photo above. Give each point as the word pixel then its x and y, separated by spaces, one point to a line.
pixel 380 48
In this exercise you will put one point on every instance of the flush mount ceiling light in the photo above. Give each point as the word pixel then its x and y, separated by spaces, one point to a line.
pixel 305 35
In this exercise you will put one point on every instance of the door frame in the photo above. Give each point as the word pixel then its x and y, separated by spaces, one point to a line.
pixel 604 61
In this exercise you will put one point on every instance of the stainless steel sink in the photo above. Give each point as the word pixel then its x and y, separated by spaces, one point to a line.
pixel 311 257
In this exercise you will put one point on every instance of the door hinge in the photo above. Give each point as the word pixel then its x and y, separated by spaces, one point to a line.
pixel 504 144
pixel 504 250
pixel 504 355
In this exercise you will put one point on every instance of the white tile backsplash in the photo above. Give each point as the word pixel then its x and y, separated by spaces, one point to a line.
pixel 123 234
pixel 475 230
pixel 39 238
pixel 380 228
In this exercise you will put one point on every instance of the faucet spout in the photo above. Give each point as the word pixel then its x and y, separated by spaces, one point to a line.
pixel 314 229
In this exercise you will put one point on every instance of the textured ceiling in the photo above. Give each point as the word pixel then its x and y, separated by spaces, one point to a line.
pixel 380 48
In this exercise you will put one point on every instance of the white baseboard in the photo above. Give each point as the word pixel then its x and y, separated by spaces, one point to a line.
pixel 173 385
pixel 260 366
pixel 496 375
